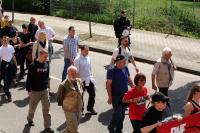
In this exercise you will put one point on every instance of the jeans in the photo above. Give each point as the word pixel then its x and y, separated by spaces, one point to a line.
pixel 7 74
pixel 50 50
pixel 118 115
pixel 66 65
pixel 91 91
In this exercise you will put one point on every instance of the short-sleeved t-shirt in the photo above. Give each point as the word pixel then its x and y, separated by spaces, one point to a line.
pixel 124 51
pixel 152 116
pixel 136 110
pixel 119 79
pixel 6 53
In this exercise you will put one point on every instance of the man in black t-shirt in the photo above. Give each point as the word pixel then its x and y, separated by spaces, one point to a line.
pixel 32 28
pixel 36 85
pixel 25 37
pixel 156 113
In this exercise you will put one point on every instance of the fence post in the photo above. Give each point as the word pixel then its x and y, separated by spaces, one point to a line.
pixel 133 23
pixel 90 28
pixel 13 9
pixel 171 17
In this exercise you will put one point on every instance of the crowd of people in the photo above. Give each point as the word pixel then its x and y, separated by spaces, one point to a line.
pixel 33 47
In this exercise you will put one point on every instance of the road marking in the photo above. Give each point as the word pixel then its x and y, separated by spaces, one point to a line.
pixel 52 77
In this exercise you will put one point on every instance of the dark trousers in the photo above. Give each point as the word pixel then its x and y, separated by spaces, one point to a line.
pixel 118 115
pixel 136 126
pixel 22 71
pixel 66 65
pixel 7 74
pixel 164 90
pixel 91 91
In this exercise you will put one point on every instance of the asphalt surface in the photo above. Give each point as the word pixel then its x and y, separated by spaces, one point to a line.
pixel 13 115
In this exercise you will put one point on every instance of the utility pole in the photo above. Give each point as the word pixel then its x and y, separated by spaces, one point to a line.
pixel 171 18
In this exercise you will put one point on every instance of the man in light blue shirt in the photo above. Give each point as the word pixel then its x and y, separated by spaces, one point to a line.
pixel 83 65
pixel 70 46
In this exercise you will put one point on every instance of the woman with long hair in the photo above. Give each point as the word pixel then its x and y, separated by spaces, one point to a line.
pixel 193 101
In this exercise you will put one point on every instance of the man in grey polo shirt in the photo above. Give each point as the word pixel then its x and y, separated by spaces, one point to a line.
pixel 70 46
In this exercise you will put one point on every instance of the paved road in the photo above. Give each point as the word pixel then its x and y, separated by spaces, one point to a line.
pixel 13 115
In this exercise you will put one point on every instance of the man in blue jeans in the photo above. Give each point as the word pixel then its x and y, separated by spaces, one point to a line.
pixel 70 46
pixel 117 82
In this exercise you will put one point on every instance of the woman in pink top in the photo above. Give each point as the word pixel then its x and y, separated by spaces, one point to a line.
pixel 137 97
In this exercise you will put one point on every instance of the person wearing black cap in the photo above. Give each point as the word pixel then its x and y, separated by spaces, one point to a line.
pixel 117 82
pixel 156 113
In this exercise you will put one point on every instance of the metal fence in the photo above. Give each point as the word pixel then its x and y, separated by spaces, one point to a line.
pixel 168 16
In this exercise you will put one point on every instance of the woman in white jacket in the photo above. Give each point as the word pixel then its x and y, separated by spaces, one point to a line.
pixel 41 43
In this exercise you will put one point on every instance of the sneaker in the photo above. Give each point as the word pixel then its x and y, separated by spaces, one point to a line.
pixel 48 130
pixel 31 123
pixel 92 111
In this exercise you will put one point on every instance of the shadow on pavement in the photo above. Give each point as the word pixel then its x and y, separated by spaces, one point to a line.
pixel 26 129
pixel 105 117
pixel 61 127
pixel 2 99
pixel 86 117
pixel 58 54
pixel 22 103
pixel 179 96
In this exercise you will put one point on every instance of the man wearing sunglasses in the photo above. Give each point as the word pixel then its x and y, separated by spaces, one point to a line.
pixel 125 51
pixel 156 113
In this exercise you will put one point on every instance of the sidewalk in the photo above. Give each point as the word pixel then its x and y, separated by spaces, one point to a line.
pixel 146 46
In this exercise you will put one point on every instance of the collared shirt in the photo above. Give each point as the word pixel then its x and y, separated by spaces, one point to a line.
pixel 6 53
pixel 83 65
pixel 70 46
pixel 48 30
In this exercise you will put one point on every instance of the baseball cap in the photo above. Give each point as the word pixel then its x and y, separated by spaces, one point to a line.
pixel 158 96
pixel 119 57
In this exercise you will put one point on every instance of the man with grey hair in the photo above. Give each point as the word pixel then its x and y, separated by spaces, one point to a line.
pixel 163 72
pixel 69 97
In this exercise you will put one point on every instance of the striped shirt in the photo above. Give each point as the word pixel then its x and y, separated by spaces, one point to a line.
pixel 70 46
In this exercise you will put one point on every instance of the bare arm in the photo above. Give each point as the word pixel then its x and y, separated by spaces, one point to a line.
pixel 188 109
pixel 108 88
pixel 134 64
pixel 154 84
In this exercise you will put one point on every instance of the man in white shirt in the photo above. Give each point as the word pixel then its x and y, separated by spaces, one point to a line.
pixel 50 33
pixel 8 65
pixel 83 65
pixel 124 50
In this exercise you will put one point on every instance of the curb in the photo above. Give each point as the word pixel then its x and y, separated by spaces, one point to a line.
pixel 103 51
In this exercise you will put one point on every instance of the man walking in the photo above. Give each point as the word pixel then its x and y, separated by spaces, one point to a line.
pixel 69 97
pixel 8 64
pixel 32 28
pixel 122 23
pixel 70 46
pixel 163 72
pixel 124 50
pixel 36 85
pixel 83 65
pixel 117 82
